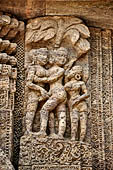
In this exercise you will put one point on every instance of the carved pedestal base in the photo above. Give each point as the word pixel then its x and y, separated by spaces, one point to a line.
pixel 49 154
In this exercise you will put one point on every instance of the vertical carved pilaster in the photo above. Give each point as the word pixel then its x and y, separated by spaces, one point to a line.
pixel 111 63
pixel 93 101
pixel 97 131
pixel 19 97
pixel 100 104
pixel 107 94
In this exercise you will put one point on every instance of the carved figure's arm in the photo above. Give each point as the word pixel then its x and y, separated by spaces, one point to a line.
pixel 68 86
pixel 30 78
pixel 50 79
pixel 56 76
pixel 40 80
pixel 84 96
pixel 68 66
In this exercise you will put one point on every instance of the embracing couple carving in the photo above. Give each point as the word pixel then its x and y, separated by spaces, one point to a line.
pixel 47 67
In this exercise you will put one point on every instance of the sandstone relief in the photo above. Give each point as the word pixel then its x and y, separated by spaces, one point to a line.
pixel 56 93
pixel 10 27
pixel 53 47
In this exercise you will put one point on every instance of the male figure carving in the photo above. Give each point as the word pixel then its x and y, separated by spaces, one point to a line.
pixel 57 92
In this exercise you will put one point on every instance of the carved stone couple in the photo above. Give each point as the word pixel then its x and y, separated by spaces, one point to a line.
pixel 56 98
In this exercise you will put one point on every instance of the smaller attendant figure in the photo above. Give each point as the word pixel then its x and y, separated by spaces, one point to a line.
pixel 77 91
pixel 36 91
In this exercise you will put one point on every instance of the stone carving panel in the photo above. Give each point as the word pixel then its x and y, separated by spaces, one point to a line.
pixel 56 93
pixel 56 50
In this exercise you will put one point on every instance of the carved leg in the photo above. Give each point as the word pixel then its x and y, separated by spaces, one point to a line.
pixel 52 125
pixel 83 121
pixel 74 115
pixel 50 105
pixel 61 112
pixel 31 110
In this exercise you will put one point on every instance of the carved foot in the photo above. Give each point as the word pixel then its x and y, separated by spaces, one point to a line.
pixel 41 134
pixel 60 136
pixel 73 139
pixel 54 136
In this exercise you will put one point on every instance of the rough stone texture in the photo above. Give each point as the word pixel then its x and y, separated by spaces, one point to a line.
pixel 54 65
pixel 5 163
pixel 9 28
pixel 51 153
pixel 100 59
pixel 97 13
pixel 8 75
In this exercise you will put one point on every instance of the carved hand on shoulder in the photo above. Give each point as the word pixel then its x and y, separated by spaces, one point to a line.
pixel 37 79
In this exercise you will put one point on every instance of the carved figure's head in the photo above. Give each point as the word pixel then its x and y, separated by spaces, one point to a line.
pixel 75 72
pixel 40 56
pixel 61 56
pixel 13 60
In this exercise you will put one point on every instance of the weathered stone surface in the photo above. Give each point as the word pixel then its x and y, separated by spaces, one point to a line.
pixel 7 47
pixel 94 12
pixel 53 153
pixel 10 27
pixel 56 68
pixel 5 163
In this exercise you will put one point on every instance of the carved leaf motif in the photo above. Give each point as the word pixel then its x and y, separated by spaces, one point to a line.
pixel 43 30
pixel 50 33
pixel 83 30
pixel 72 21
pixel 30 36
pixel 73 35
pixel 38 35
pixel 82 46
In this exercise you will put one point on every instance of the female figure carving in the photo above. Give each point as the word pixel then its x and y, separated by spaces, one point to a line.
pixel 36 91
pixel 77 91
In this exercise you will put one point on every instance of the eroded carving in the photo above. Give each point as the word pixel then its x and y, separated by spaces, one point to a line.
pixel 10 27
pixel 8 75
pixel 56 75
pixel 36 91
pixel 57 93
pixel 77 106
pixel 59 75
